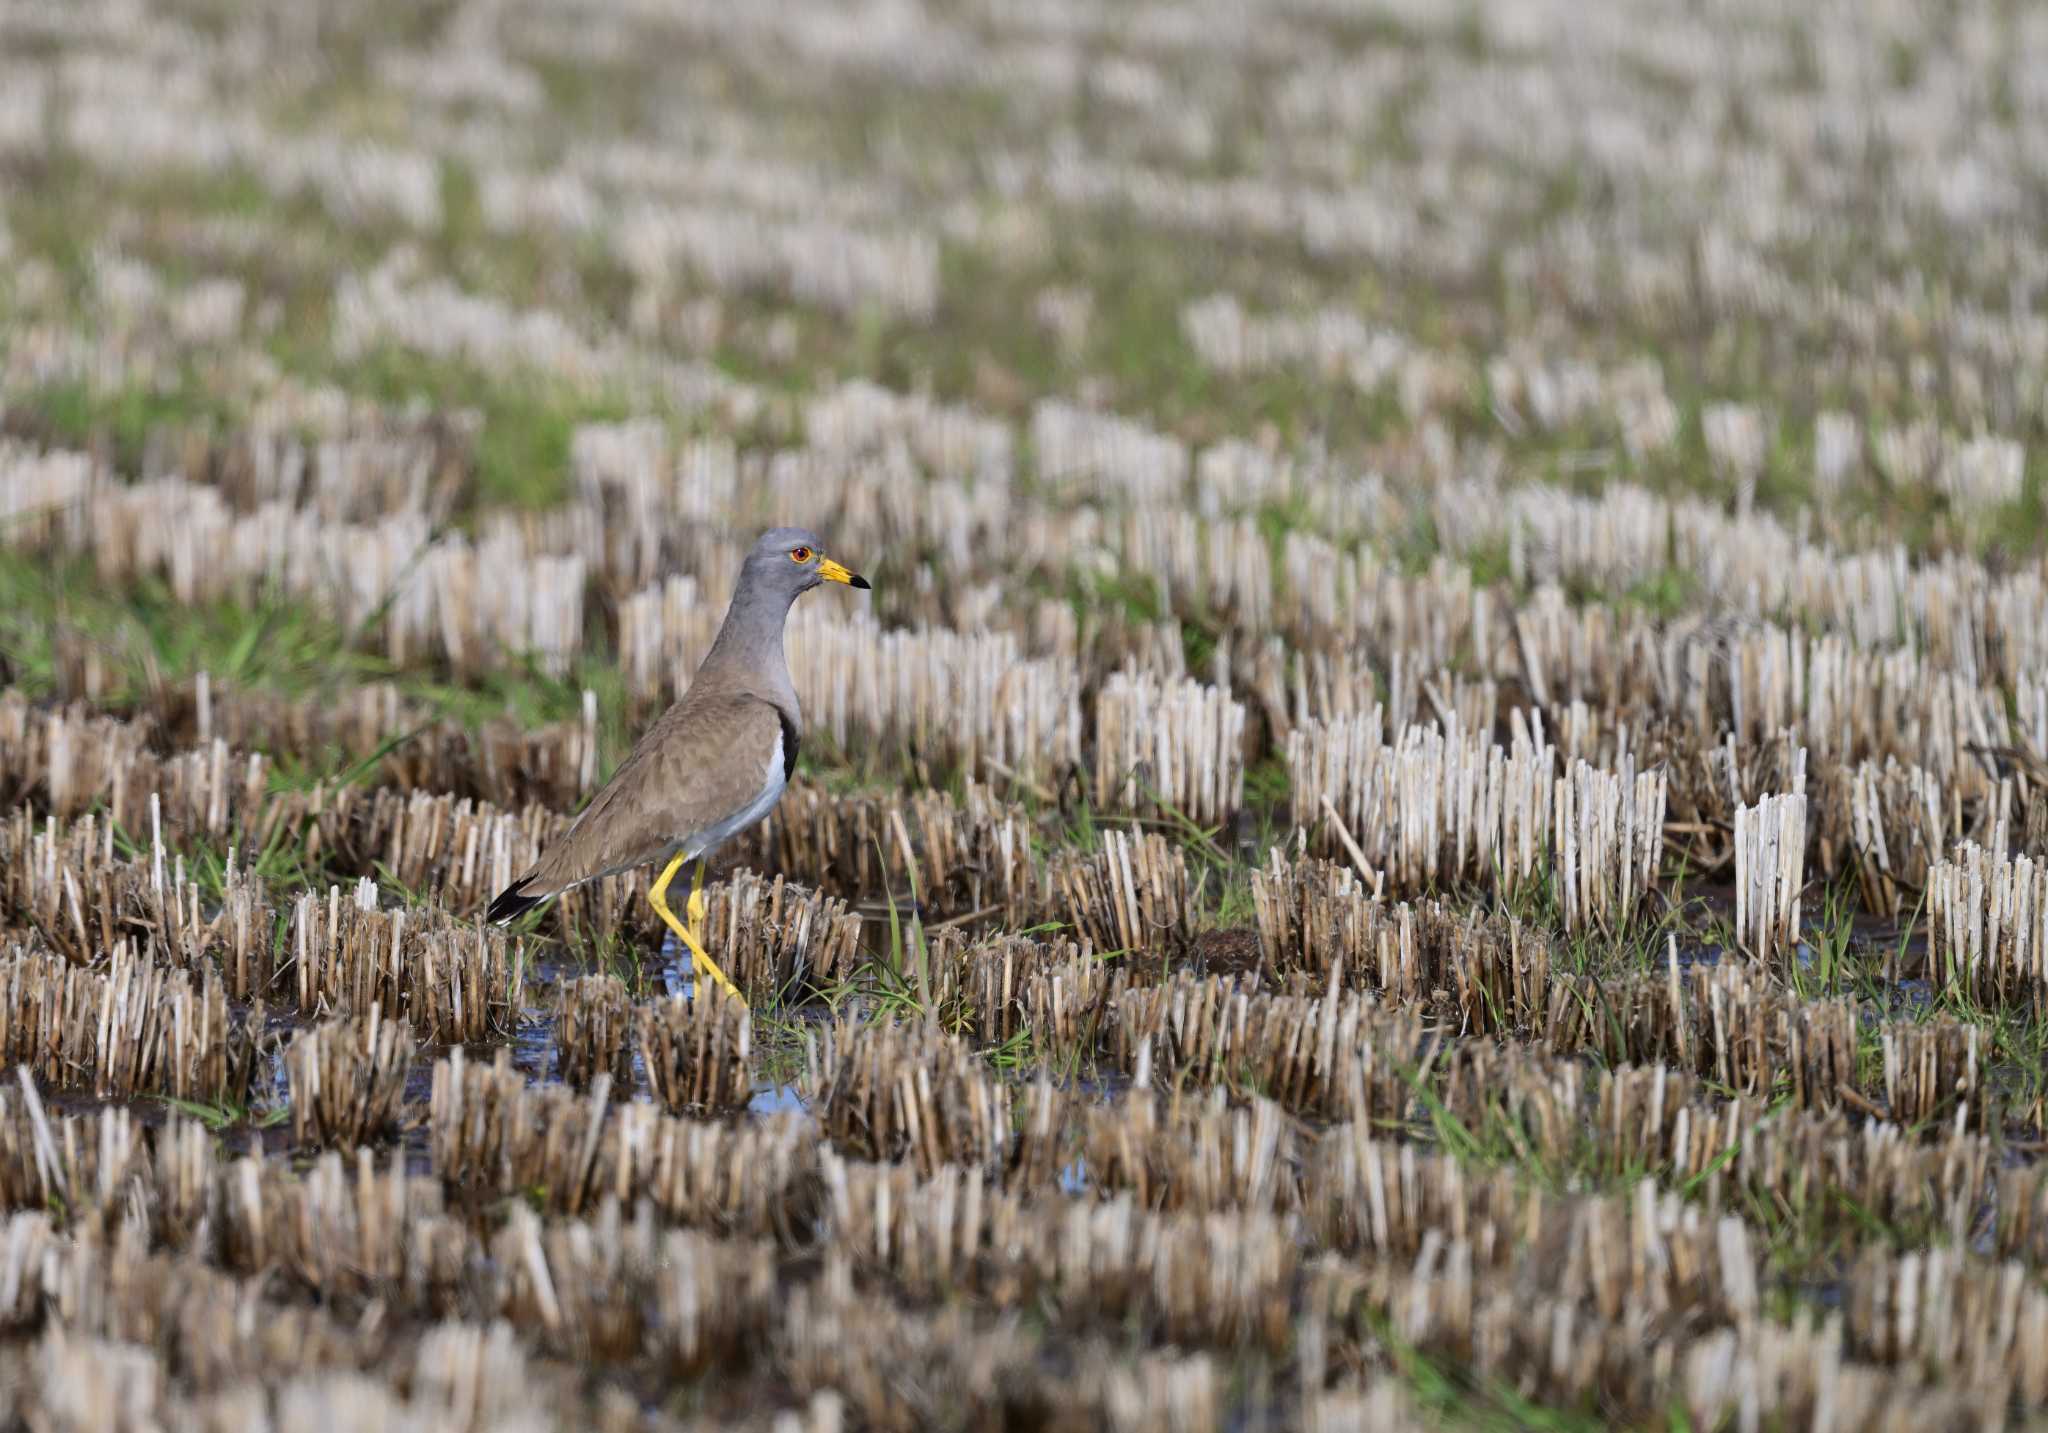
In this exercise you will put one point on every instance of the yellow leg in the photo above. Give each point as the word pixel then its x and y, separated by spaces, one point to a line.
pixel 695 910
pixel 657 896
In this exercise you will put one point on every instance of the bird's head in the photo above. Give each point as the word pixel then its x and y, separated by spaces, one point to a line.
pixel 793 560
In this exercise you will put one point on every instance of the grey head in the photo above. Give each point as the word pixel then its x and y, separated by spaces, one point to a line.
pixel 786 563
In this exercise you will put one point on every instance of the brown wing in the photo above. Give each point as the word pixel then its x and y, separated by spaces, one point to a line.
pixel 703 761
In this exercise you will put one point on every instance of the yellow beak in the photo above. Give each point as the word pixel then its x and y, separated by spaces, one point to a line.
pixel 834 572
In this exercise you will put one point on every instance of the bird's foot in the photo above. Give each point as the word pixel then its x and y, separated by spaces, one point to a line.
pixel 703 965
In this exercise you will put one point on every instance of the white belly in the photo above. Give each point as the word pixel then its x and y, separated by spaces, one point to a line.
pixel 772 782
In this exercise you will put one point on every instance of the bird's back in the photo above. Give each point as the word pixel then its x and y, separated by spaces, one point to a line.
pixel 711 764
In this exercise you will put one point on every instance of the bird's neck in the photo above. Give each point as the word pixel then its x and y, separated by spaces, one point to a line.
pixel 751 636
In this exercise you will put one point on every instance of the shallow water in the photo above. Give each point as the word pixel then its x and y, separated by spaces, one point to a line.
pixel 533 1045
pixel 773 1099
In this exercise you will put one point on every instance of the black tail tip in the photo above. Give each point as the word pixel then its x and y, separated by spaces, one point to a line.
pixel 512 902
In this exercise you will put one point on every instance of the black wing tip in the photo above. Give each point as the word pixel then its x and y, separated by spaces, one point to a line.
pixel 511 903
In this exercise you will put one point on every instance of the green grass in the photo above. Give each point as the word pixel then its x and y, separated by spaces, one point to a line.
pixel 146 634
pixel 522 455
pixel 221 1116
pixel 116 424
pixel 522 451
pixel 1448 1395
pixel 269 644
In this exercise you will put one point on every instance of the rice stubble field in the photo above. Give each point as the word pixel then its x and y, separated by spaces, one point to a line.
pixel 1437 817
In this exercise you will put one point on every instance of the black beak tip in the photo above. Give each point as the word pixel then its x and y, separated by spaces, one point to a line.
pixel 858 581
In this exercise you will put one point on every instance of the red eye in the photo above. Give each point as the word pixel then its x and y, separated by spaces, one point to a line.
pixel 799 554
